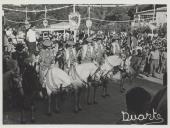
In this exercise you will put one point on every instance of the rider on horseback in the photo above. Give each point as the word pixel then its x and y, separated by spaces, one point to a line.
pixel 70 57
pixel 46 59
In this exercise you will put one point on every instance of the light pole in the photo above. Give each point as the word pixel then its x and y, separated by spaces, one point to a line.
pixel 88 22
pixel 45 22
pixel 89 19
pixel 75 32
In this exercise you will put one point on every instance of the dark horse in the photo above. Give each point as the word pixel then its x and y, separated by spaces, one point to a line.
pixel 32 89
pixel 159 103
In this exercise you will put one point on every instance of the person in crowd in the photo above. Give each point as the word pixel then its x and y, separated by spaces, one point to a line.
pixel 70 56
pixel 20 55
pixel 46 60
pixel 154 61
pixel 60 57
pixel 87 51
pixel 164 60
pixel 147 62
pixel 31 40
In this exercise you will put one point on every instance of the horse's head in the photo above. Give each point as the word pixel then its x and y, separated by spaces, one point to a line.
pixel 96 75
pixel 30 74
pixel 16 81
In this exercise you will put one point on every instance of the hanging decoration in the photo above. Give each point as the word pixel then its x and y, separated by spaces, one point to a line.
pixel 27 24
pixel 74 20
pixel 88 23
pixel 45 21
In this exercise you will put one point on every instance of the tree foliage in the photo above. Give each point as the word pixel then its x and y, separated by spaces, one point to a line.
pixel 162 31
pixel 103 13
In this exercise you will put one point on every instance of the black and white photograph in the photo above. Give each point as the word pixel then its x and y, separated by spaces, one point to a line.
pixel 84 64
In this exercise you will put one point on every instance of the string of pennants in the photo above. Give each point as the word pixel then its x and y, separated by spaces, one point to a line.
pixel 53 9
pixel 93 19
pixel 36 11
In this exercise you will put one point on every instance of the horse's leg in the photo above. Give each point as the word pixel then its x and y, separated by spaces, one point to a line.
pixel 22 120
pixel 61 92
pixel 104 90
pixel 32 113
pixel 79 97
pixel 94 95
pixel 122 89
pixel 33 108
pixel 57 109
pixel 49 105
pixel 22 101
pixel 76 100
pixel 88 94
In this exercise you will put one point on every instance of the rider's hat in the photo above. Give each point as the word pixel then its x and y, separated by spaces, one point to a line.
pixel 89 40
pixel 70 43
pixel 28 60
pixel 47 43
pixel 19 47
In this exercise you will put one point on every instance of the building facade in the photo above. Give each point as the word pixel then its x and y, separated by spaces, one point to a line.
pixel 156 16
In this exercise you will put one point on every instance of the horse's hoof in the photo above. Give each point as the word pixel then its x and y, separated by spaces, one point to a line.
pixel 104 96
pixel 76 111
pixel 57 111
pixel 23 122
pixel 122 91
pixel 95 102
pixel 80 109
pixel 89 103
pixel 107 95
pixel 32 120
pixel 49 114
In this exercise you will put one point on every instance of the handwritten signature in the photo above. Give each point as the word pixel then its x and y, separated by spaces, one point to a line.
pixel 153 117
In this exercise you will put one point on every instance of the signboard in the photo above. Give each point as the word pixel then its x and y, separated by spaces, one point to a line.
pixel 88 23
pixel 45 23
pixel 74 20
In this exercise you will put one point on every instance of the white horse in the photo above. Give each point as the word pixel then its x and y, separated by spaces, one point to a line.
pixel 86 74
pixel 115 68
pixel 110 69
pixel 56 80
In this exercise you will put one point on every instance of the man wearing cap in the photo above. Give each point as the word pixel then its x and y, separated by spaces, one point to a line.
pixel 115 45
pixel 154 57
pixel 99 51
pixel 60 57
pixel 20 55
pixel 31 40
pixel 70 55
pixel 46 60
pixel 87 51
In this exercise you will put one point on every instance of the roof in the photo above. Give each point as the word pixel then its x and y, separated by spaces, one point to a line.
pixel 162 9
pixel 62 25
pixel 56 27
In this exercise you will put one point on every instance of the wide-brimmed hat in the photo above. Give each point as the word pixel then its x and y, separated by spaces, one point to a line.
pixel 115 37
pixel 19 47
pixel 28 60
pixel 12 64
pixel 70 43
pixel 89 40
pixel 99 37
pixel 47 43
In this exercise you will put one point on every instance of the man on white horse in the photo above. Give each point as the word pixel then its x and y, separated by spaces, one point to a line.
pixel 87 51
pixel 99 50
pixel 115 45
pixel 46 59
pixel 70 56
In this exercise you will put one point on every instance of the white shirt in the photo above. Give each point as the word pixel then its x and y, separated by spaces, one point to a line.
pixel 31 35
pixel 155 54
